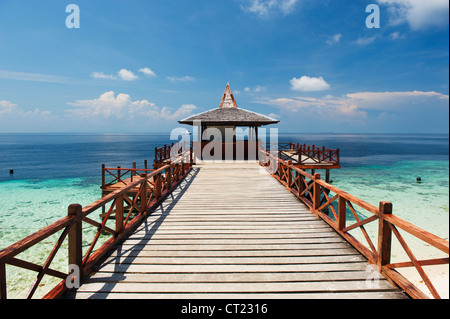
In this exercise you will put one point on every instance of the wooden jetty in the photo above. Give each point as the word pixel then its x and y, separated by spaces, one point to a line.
pixel 233 231
pixel 265 228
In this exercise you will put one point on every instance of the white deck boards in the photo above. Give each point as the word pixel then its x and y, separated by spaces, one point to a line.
pixel 233 231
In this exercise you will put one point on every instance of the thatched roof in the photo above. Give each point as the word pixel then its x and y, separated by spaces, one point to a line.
pixel 230 117
pixel 228 114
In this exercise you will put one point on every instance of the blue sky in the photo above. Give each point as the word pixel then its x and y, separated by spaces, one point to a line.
pixel 139 66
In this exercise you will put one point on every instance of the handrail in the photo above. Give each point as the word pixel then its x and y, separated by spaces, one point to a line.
pixel 315 193
pixel 152 187
pixel 303 154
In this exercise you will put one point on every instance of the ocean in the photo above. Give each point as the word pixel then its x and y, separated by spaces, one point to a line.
pixel 52 171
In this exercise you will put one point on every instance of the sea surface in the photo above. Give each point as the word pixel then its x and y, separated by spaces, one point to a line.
pixel 52 171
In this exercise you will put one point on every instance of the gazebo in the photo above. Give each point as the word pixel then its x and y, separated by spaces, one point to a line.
pixel 227 132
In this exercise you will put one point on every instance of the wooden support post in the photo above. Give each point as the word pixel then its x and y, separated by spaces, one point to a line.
pixel 75 237
pixel 144 197
pixel 3 290
pixel 169 177
pixel 145 165
pixel 327 176
pixel 342 212
pixel 118 174
pixel 316 192
pixel 384 236
pixel 289 175
pixel 103 185
pixel 103 176
pixel 119 214
pixel 157 188
pixel 133 173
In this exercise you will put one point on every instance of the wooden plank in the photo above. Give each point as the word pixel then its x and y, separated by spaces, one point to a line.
pixel 233 230
pixel 235 253
pixel 236 287
pixel 241 296
pixel 173 268
pixel 233 277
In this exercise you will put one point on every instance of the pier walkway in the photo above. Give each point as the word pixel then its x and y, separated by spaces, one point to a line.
pixel 233 231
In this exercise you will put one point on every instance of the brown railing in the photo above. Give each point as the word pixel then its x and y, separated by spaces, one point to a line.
pixel 346 214
pixel 167 153
pixel 115 175
pixel 128 211
pixel 302 154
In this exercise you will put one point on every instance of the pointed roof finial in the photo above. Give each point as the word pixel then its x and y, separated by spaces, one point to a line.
pixel 228 100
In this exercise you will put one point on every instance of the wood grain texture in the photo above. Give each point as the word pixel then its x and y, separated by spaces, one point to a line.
pixel 233 231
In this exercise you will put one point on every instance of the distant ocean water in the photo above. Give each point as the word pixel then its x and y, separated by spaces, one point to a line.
pixel 52 171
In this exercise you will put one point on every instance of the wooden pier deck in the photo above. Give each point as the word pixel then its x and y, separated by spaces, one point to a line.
pixel 233 231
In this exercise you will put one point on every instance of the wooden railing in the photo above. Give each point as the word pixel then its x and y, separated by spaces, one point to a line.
pixel 153 187
pixel 347 213
pixel 115 175
pixel 167 153
pixel 302 154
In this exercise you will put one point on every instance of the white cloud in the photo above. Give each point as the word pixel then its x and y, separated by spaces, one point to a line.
pixel 366 41
pixel 175 79
pixel 256 89
pixel 419 14
pixel 264 8
pixel 123 74
pixel 101 75
pixel 396 35
pixel 7 107
pixel 357 108
pixel 334 39
pixel 34 77
pixel 147 72
pixel 127 75
pixel 309 84
pixel 108 105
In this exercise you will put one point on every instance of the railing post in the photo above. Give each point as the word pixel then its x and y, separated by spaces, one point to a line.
pixel 157 188
pixel 75 237
pixel 316 192
pixel 133 173
pixel 342 212
pixel 3 289
pixel 289 175
pixel 103 176
pixel 119 214
pixel 144 196
pixel 384 236
pixel 119 175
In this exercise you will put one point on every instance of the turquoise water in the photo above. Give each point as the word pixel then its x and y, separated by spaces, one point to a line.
pixel 30 205
pixel 374 168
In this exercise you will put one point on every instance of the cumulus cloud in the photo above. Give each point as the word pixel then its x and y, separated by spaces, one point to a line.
pixel 148 72
pixel 7 107
pixel 123 74
pixel 110 106
pixel 127 75
pixel 309 84
pixel 358 108
pixel 14 118
pixel 419 14
pixel 264 8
